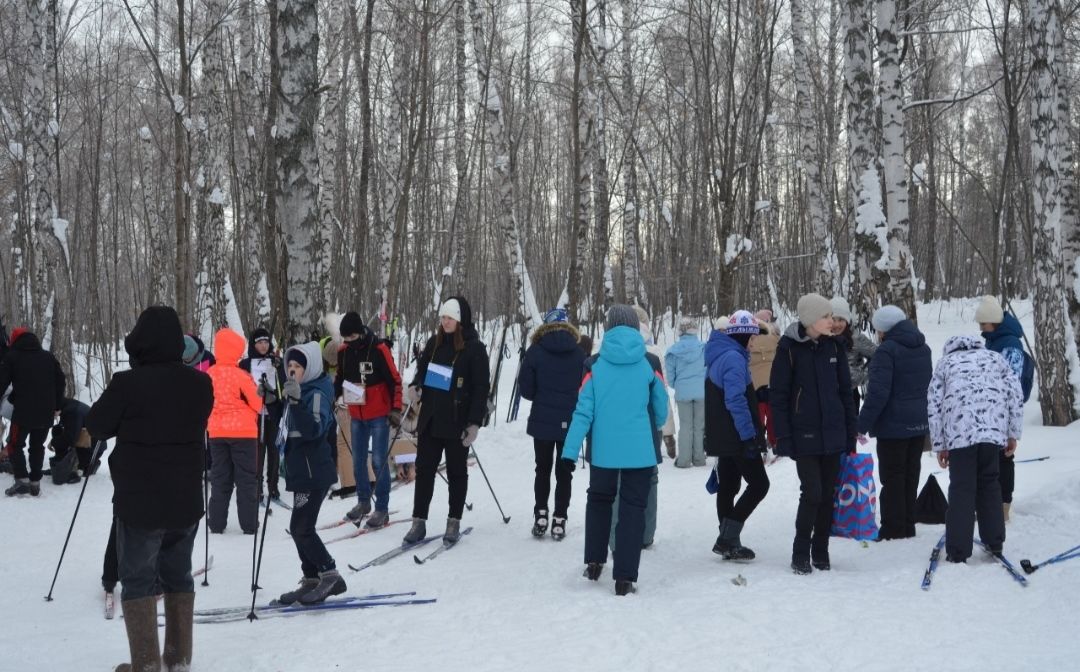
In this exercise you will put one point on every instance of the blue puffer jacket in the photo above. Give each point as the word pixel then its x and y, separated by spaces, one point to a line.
pixel 621 404
pixel 810 396
pixel 550 378
pixel 308 463
pixel 729 370
pixel 1007 340
pixel 685 363
pixel 900 372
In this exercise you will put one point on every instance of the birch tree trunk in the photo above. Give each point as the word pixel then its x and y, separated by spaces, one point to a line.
pixel 899 290
pixel 581 142
pixel 457 253
pixel 605 285
pixel 214 190
pixel 298 159
pixel 328 154
pixel 1057 395
pixel 502 174
pixel 810 154
pixel 1070 199
pixel 632 283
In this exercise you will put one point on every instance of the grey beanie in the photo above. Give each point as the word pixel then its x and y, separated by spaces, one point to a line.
pixel 811 308
pixel 840 308
pixel 621 315
pixel 887 317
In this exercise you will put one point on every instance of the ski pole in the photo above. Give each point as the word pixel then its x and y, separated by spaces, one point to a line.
pixel 206 514
pixel 506 518
pixel 262 545
pixel 258 475
pixel 86 480
pixel 443 477
pixel 1060 557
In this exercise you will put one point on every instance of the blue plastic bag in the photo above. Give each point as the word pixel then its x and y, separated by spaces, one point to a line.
pixel 855 499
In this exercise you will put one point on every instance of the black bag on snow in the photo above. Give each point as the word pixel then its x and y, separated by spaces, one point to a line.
pixel 931 506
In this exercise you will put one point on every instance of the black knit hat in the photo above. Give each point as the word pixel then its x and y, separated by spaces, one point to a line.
pixel 351 323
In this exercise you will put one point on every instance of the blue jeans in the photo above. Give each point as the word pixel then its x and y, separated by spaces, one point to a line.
pixel 378 431
pixel 153 559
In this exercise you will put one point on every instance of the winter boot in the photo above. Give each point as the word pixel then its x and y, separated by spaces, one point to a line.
pixel 453 531
pixel 306 585
pixel 540 523
pixel 735 550
pixel 593 570
pixel 377 520
pixel 35 488
pixel 179 612
pixel 722 544
pixel 800 564
pixel 330 584
pixel 821 561
pixel 358 512
pixel 624 588
pixel 140 619
pixel 416 533
pixel 19 488
pixel 558 528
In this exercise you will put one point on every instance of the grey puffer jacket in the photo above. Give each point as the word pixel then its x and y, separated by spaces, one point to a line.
pixel 974 397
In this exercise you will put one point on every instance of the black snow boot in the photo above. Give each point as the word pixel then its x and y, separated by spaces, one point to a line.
pixel 801 565
pixel 735 550
pixel 722 544
pixel 821 561
pixel 624 588
pixel 540 523
pixel 593 570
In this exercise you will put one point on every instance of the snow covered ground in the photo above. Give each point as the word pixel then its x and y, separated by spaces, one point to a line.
pixel 507 601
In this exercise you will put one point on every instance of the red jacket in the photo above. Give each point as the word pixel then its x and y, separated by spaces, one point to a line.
pixel 369 362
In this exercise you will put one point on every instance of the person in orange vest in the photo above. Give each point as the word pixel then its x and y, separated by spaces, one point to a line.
pixel 234 432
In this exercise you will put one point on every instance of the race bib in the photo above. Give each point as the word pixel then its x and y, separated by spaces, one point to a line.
pixel 438 377
pixel 354 394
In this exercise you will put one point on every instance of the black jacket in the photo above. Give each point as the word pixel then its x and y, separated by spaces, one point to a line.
pixel 272 415
pixel 37 383
pixel 158 412
pixel 446 414
pixel 900 372
pixel 810 396
pixel 550 378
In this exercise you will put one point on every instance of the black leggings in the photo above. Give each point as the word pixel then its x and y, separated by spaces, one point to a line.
pixel 429 452
pixel 731 472
pixel 548 452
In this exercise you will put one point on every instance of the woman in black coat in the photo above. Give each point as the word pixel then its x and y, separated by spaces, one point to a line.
pixel 814 414
pixel 452 380
pixel 550 378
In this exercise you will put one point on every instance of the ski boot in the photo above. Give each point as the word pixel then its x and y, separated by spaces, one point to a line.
pixel 540 523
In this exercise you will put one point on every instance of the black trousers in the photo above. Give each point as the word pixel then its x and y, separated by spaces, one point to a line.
pixel 429 452
pixel 110 571
pixel 1007 478
pixel 899 467
pixel 813 521
pixel 974 491
pixel 314 558
pixel 17 442
pixel 269 457
pixel 631 486
pixel 731 472
pixel 547 455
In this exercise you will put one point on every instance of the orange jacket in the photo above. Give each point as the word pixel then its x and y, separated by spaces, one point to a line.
pixel 236 399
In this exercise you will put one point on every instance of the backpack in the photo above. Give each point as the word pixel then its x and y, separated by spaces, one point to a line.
pixel 931 506
pixel 1027 375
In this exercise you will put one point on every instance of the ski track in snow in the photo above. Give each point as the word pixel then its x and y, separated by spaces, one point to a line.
pixel 507 601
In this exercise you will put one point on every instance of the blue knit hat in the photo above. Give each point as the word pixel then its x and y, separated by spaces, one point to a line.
pixel 887 317
pixel 556 315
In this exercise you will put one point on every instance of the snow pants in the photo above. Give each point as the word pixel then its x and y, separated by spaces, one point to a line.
pixel 974 491
pixel 691 433
pixel 631 487
pixel 235 464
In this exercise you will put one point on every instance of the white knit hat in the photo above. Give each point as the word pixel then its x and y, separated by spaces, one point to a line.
pixel 887 317
pixel 989 311
pixel 840 308
pixel 451 309
pixel 811 308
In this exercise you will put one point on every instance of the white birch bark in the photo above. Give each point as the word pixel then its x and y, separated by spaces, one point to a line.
pixel 633 285
pixel 215 191
pixel 392 157
pixel 605 292
pixel 328 148
pixel 581 108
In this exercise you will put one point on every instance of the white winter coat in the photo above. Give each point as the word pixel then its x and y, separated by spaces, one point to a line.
pixel 974 397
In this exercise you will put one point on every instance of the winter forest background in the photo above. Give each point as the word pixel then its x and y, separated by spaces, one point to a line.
pixel 265 161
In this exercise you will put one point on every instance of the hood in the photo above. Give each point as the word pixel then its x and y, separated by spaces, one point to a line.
pixel 906 334
pixel 959 343
pixel 556 337
pixel 256 334
pixel 23 339
pixel 622 345
pixel 720 344
pixel 157 337
pixel 313 353
pixel 796 332
pixel 468 331
pixel 1010 326
pixel 229 346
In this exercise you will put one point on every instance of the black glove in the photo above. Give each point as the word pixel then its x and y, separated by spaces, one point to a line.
pixel 751 449
pixel 269 396
pixel 570 465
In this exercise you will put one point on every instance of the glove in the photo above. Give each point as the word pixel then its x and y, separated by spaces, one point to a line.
pixel 414 394
pixel 395 418
pixel 570 465
pixel 268 395
pixel 291 388
pixel 468 437
pixel 669 441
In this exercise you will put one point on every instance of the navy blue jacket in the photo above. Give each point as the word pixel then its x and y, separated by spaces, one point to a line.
pixel 550 378
pixel 899 376
pixel 308 463
pixel 810 396
pixel 731 417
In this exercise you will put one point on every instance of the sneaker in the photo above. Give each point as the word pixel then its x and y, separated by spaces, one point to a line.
pixel 801 566
pixel 377 520
pixel 329 584
pixel 19 488
pixel 593 570
pixel 35 488
pixel 416 533
pixel 359 511
pixel 307 584
pixel 453 531
pixel 540 523
pixel 558 529
pixel 624 588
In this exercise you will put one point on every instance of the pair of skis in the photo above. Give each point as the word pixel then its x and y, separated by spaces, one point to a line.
pixel 935 557
pixel 278 610
pixel 405 548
